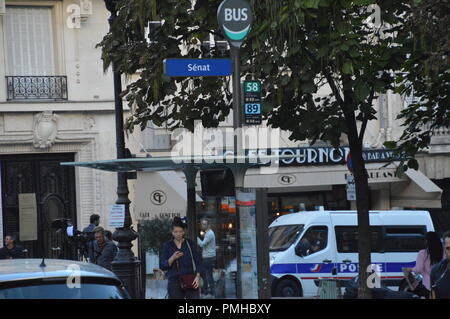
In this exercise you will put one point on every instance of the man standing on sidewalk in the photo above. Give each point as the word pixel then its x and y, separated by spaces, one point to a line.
pixel 104 249
pixel 208 245
pixel 94 222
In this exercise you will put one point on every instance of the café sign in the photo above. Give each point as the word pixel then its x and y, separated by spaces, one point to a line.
pixel 322 155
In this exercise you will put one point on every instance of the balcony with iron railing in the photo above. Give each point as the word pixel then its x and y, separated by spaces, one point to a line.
pixel 36 88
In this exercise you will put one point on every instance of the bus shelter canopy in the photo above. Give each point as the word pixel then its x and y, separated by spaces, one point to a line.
pixel 181 162
pixel 189 164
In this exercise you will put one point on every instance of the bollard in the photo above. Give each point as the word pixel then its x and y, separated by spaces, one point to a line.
pixel 329 289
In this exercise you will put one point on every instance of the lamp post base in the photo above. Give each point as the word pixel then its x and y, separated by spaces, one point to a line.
pixel 127 271
pixel 125 265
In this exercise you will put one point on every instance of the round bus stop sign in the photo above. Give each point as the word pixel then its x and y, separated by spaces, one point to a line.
pixel 235 19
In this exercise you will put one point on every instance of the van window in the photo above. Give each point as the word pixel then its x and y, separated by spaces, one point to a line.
pixel 347 239
pixel 281 237
pixel 404 238
pixel 314 240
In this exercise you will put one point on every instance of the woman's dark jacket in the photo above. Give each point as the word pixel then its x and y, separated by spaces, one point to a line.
pixel 185 266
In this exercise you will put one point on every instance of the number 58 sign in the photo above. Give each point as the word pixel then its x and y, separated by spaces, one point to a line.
pixel 252 87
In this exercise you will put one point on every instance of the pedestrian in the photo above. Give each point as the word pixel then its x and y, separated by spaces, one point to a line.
pixel 427 258
pixel 11 250
pixel 108 234
pixel 181 260
pixel 208 245
pixel 440 273
pixel 94 220
pixel 104 249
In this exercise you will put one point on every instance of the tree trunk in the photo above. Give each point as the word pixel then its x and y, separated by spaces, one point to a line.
pixel 362 192
pixel 362 205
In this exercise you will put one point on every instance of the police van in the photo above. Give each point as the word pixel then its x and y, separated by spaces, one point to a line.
pixel 308 246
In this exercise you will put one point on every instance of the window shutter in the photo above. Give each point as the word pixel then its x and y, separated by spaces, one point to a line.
pixel 29 41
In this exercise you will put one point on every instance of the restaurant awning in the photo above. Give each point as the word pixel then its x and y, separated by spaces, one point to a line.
pixel 419 192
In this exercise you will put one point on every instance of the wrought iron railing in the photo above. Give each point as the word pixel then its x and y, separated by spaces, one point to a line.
pixel 36 87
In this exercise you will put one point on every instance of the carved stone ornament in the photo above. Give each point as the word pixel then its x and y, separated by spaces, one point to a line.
pixel 88 123
pixel 45 129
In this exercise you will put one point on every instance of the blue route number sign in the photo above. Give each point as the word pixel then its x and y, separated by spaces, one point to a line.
pixel 252 103
pixel 252 108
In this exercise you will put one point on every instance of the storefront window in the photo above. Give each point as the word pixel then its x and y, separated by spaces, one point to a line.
pixel 286 203
pixel 221 214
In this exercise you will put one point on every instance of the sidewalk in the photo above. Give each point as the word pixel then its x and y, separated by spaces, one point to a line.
pixel 157 289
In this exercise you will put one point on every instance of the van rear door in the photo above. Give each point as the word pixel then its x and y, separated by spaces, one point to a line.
pixel 346 236
pixel 401 244
pixel 403 236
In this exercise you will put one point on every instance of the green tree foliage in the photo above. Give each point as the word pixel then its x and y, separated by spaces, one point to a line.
pixel 321 63
pixel 425 79
pixel 155 97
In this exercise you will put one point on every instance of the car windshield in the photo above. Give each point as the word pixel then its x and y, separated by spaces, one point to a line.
pixel 281 237
pixel 63 291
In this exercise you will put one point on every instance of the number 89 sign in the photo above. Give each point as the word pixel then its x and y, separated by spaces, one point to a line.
pixel 252 108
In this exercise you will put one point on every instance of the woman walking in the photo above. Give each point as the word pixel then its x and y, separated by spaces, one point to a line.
pixel 181 260
pixel 428 257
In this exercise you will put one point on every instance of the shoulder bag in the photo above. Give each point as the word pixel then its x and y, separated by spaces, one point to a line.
pixel 187 281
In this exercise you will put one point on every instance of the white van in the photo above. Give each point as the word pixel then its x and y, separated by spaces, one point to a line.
pixel 308 246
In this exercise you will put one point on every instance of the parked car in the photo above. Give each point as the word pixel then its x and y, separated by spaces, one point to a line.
pixel 57 279
pixel 306 247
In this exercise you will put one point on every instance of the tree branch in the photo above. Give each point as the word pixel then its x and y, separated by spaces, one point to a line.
pixel 334 88
pixel 366 118
pixel 187 34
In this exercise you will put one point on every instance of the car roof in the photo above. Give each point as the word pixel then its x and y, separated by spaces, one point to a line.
pixel 306 217
pixel 29 269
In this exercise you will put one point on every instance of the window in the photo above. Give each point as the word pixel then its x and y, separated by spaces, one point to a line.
pixel 32 54
pixel 314 240
pixel 282 237
pixel 62 291
pixel 347 239
pixel 404 238
pixel 383 239
pixel 29 41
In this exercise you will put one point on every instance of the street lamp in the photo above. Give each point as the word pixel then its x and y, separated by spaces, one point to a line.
pixel 124 264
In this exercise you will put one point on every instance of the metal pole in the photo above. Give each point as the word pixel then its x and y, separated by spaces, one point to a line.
pixel 237 124
pixel 125 264
pixel 262 242
pixel 191 213
pixel 237 101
